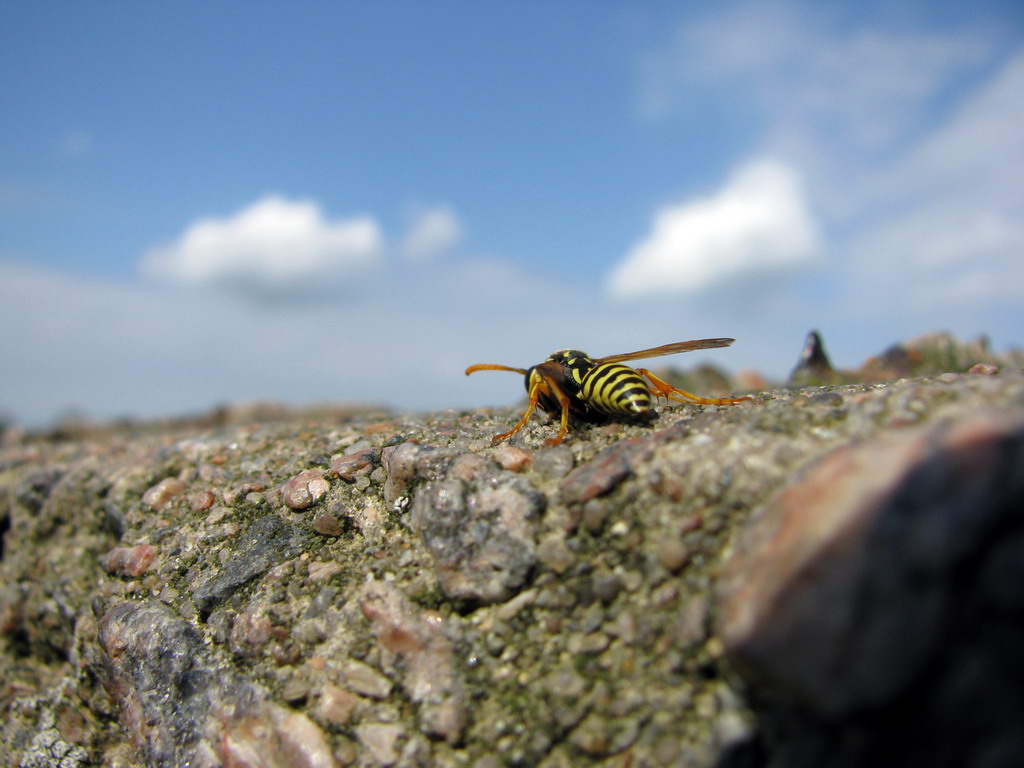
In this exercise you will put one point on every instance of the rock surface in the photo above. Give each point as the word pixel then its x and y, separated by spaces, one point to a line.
pixel 831 576
pixel 882 595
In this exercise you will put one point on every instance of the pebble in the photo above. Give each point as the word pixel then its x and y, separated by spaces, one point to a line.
pixel 249 634
pixel 554 462
pixel 321 571
pixel 129 561
pixel 326 523
pixel 984 369
pixel 296 690
pixel 595 513
pixel 623 626
pixel 588 644
pixel 232 496
pixel 353 465
pixel 380 741
pixel 673 554
pixel 305 489
pixel 399 461
pixel 478 526
pixel 160 495
pixel 607 587
pixel 335 705
pixel 403 462
pixel 512 458
pixel 365 680
pixel 202 501
pixel 619 528
pixel 564 682
pixel 600 475
pixel 292 740
pixel 599 736
pixel 511 609
pixel 554 553
pixel 691 627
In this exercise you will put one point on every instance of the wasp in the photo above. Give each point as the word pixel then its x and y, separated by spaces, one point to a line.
pixel 570 381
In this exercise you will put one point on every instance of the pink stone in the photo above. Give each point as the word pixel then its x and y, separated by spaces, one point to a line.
pixel 160 494
pixel 129 561
pixel 305 489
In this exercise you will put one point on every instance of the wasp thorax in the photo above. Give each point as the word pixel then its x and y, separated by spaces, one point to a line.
pixel 569 356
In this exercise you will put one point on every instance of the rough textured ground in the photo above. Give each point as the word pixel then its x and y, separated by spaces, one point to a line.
pixel 805 580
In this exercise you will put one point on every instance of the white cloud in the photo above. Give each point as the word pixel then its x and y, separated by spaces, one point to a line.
pixel 758 221
pixel 273 246
pixel 433 232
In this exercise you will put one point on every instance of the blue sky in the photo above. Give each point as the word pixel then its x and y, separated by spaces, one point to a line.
pixel 313 201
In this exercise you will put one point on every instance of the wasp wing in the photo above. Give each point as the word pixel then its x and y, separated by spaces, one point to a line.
pixel 667 349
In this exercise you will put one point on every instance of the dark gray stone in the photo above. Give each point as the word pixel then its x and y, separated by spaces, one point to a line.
pixel 156 672
pixel 268 541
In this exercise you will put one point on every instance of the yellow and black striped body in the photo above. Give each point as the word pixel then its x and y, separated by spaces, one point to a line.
pixel 596 390
pixel 616 390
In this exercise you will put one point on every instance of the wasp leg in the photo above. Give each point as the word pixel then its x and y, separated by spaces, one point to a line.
pixel 661 388
pixel 522 422
pixel 537 387
pixel 541 385
pixel 563 401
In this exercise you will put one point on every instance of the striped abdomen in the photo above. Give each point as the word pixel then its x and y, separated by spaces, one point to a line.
pixel 615 389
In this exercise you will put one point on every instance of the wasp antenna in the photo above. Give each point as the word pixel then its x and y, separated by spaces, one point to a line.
pixel 490 367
